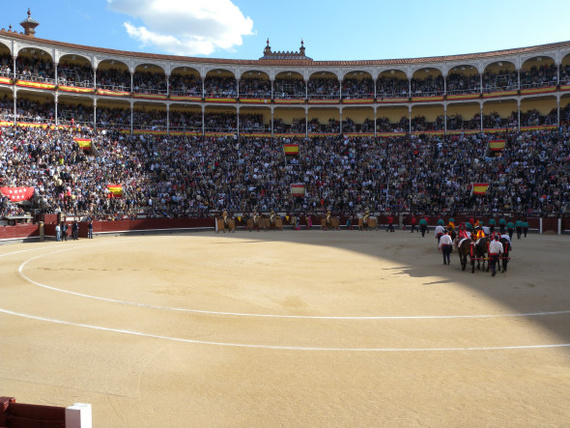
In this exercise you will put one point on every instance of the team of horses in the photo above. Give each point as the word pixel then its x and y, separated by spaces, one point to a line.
pixel 471 251
pixel 264 223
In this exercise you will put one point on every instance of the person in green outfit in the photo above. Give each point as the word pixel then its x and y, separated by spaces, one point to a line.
pixel 423 225
pixel 519 226
pixel 525 227
pixel 503 225
pixel 492 225
pixel 510 229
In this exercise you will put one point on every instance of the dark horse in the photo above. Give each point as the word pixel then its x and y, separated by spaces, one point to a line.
pixel 466 250
pixel 505 257
pixel 482 252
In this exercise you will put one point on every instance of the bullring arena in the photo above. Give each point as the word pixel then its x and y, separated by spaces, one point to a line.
pixel 161 322
pixel 291 328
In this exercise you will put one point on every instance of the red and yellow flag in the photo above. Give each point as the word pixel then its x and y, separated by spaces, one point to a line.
pixel 84 143
pixel 298 190
pixel 497 145
pixel 479 188
pixel 115 190
pixel 291 149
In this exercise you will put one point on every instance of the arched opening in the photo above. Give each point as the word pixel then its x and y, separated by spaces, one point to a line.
pixel 427 82
pixel 185 84
pixel 220 84
pixel 358 85
pixel 500 76
pixel 75 71
pixel 323 86
pixel 289 86
pixel 35 65
pixel 113 76
pixel 392 84
pixel 149 79
pixel 538 72
pixel 462 80
pixel 254 86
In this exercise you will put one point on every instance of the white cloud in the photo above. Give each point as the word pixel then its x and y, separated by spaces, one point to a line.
pixel 185 27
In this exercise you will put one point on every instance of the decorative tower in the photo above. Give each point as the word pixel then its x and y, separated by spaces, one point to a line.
pixel 29 25
pixel 267 50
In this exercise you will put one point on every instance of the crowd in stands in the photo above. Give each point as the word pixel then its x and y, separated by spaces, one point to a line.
pixel 254 88
pixel 152 119
pixel 185 84
pixel 460 80
pixel 197 176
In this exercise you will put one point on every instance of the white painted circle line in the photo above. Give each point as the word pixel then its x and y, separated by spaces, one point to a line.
pixel 238 314
pixel 283 348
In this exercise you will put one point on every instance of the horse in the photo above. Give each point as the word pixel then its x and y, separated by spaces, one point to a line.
pixel 505 257
pixel 333 223
pixel 251 224
pixel 371 224
pixel 465 249
pixel 263 223
pixel 278 223
pixel 230 225
pixel 482 252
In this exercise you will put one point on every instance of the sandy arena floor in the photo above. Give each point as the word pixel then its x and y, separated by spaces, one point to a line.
pixel 287 329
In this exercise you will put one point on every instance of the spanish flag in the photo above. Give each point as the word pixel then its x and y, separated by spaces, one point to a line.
pixel 291 149
pixel 115 190
pixel 298 190
pixel 84 143
pixel 497 145
pixel 479 188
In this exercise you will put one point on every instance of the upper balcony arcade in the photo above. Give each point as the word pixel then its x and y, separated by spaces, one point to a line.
pixel 473 91
pixel 421 79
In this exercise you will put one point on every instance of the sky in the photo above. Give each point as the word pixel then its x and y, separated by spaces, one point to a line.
pixel 331 30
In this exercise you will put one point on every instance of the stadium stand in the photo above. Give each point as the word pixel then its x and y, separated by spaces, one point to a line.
pixel 133 136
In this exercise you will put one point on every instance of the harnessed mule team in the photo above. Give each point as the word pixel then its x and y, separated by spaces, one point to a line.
pixel 477 250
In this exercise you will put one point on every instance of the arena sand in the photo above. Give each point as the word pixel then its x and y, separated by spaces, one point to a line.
pixel 287 329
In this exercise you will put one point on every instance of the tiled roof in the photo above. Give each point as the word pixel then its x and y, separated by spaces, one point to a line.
pixel 295 63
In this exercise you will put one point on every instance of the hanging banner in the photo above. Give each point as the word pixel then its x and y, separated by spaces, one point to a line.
pixel 18 194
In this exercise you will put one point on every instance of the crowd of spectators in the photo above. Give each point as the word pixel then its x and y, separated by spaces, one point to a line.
pixel 357 88
pixel 250 87
pixel 460 80
pixel 156 119
pixel 323 88
pixel 197 176
pixel 185 84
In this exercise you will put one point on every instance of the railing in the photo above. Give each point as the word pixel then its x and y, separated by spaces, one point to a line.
pixel 35 78
pixel 541 84
pixel 187 92
pixel 114 87
pixel 76 83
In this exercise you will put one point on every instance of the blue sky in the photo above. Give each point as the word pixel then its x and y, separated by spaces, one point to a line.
pixel 331 30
